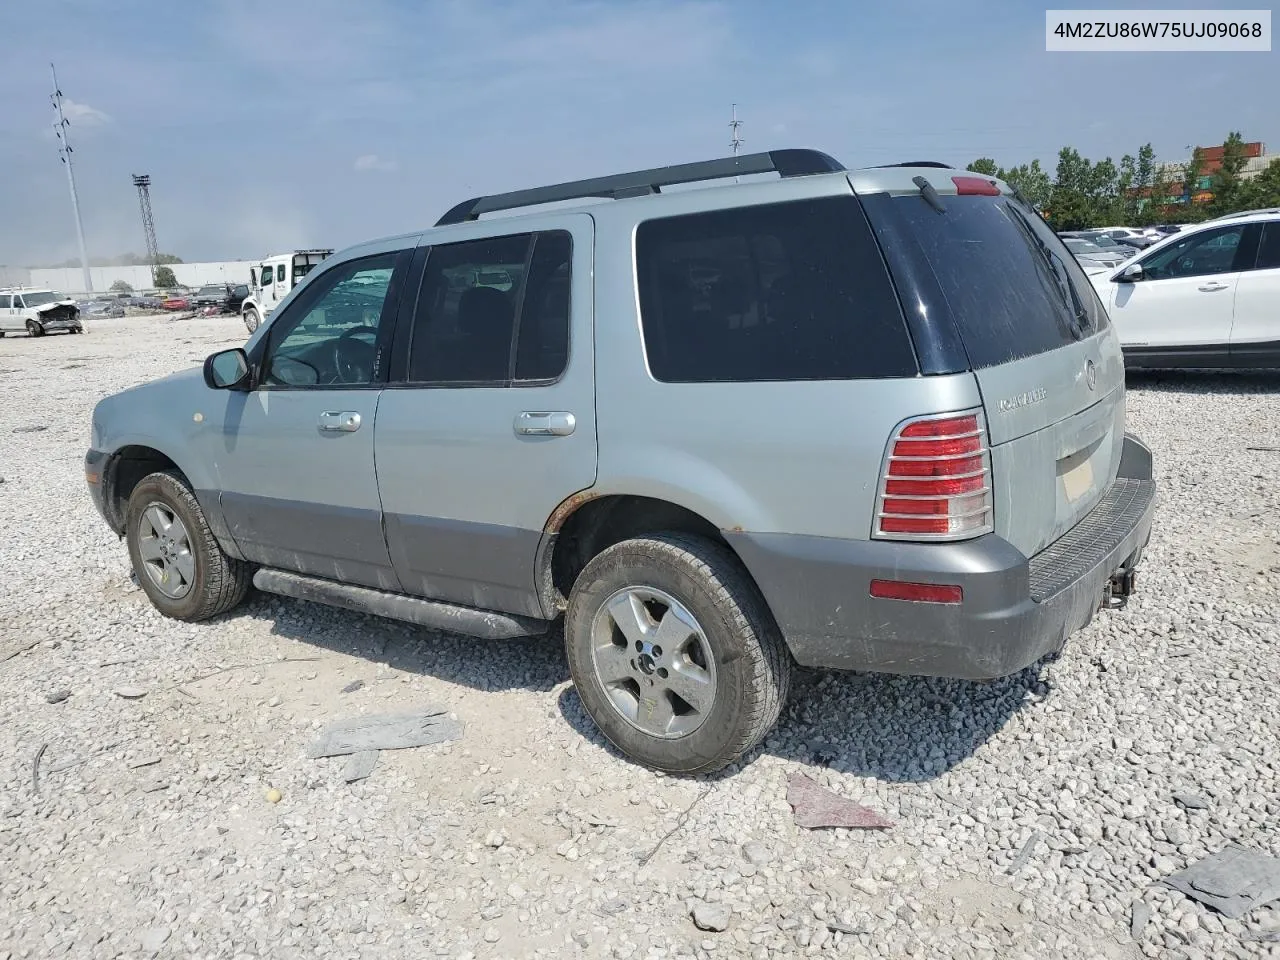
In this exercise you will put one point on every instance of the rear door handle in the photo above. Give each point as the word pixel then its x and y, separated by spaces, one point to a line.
pixel 554 424
pixel 340 421
pixel 1211 287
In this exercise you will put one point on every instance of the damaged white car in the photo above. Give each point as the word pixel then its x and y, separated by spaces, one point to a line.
pixel 37 312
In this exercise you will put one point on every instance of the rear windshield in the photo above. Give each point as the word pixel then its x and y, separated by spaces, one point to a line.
pixel 783 291
pixel 1012 287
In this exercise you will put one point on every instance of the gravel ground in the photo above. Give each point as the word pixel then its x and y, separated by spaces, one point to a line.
pixel 1032 814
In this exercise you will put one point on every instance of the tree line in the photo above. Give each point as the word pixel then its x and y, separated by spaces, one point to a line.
pixel 1137 191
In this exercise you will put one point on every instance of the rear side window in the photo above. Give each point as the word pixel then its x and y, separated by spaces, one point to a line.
pixel 1269 249
pixel 1013 289
pixel 787 291
pixel 493 311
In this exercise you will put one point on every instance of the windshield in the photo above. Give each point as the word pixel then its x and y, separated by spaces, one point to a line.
pixel 214 288
pixel 1081 246
pixel 40 299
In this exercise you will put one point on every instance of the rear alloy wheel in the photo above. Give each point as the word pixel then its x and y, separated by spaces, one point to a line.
pixel 35 329
pixel 176 559
pixel 251 319
pixel 674 653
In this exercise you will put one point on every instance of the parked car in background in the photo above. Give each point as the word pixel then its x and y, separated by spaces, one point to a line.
pixel 1207 296
pixel 1244 213
pixel 38 311
pixel 102 308
pixel 176 302
pixel 1091 256
pixel 1107 242
pixel 1135 239
pixel 225 297
pixel 738 449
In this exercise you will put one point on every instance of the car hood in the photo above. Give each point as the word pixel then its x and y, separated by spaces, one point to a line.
pixel 176 387
pixel 46 307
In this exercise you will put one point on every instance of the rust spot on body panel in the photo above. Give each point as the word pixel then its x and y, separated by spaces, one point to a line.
pixel 567 508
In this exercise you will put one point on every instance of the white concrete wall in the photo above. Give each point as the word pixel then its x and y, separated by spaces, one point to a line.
pixel 70 280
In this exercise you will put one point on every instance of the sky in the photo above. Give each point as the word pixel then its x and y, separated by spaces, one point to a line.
pixel 294 123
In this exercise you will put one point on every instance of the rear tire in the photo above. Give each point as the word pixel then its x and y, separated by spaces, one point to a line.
pixel 252 320
pixel 175 556
pixel 724 653
pixel 35 329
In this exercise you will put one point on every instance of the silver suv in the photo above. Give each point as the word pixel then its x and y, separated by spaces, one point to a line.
pixel 867 420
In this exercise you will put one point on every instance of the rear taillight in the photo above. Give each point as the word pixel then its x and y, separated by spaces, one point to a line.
pixel 936 482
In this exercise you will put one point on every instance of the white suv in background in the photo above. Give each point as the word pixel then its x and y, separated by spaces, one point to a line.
pixel 38 311
pixel 1207 296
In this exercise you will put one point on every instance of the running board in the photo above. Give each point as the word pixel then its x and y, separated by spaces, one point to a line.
pixel 427 613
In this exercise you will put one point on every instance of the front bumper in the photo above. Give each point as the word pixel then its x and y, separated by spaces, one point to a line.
pixel 58 323
pixel 96 478
pixel 1015 610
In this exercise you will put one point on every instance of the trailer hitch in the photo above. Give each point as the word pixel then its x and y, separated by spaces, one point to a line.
pixel 1118 589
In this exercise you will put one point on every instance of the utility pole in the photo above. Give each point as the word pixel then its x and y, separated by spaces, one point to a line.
pixel 60 125
pixel 143 183
pixel 735 141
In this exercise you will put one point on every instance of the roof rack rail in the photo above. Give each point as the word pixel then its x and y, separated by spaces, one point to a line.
pixel 786 163
pixel 919 163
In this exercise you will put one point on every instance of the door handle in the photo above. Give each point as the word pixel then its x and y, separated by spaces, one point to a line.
pixel 1211 287
pixel 555 424
pixel 340 421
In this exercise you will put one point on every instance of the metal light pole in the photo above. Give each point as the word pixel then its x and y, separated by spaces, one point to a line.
pixel 735 140
pixel 60 125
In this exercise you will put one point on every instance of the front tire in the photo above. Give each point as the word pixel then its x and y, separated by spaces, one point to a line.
pixel 176 559
pixel 674 653
pixel 35 329
pixel 252 319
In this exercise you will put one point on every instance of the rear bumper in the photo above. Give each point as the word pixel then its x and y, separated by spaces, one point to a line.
pixel 1015 610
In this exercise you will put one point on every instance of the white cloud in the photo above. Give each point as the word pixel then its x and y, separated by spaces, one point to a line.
pixel 371 161
pixel 83 115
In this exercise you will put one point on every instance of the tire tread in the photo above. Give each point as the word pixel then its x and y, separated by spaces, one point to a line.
pixel 733 592
pixel 226 579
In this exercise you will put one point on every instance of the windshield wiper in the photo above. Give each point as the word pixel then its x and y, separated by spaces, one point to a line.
pixel 1070 298
pixel 929 193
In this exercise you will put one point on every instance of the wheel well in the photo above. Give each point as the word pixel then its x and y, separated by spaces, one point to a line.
pixel 599 524
pixel 128 466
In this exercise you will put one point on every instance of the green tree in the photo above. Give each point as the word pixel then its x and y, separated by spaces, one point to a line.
pixel 985 166
pixel 1069 203
pixel 122 286
pixel 165 278
pixel 1126 203
pixel 1145 171
pixel 1261 191
pixel 1032 182
pixel 1191 174
pixel 1226 179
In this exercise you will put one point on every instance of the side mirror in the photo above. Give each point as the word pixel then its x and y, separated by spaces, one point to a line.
pixel 1130 274
pixel 228 370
